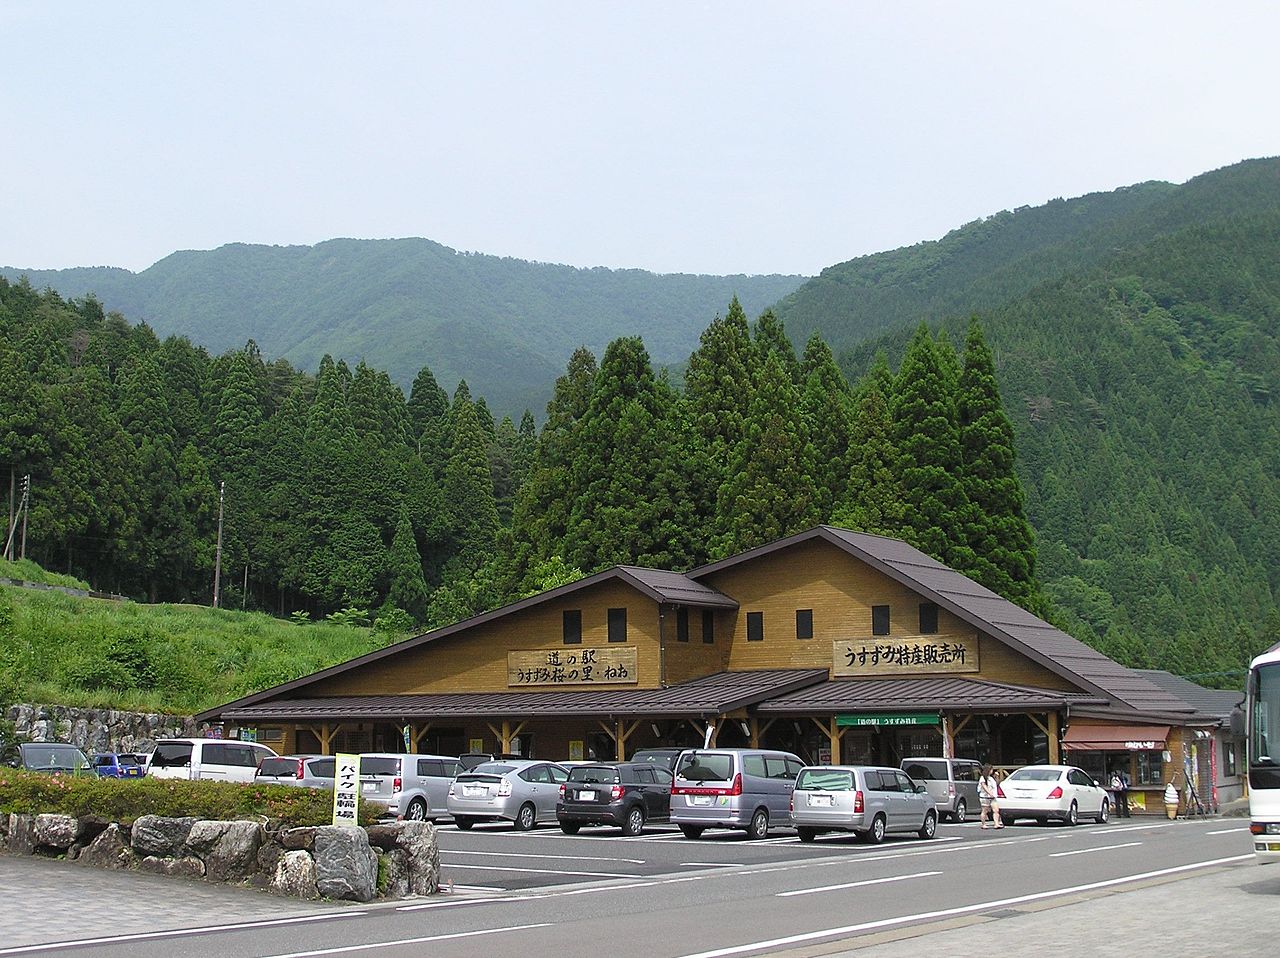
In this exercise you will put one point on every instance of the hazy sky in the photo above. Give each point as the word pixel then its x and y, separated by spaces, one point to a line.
pixel 678 137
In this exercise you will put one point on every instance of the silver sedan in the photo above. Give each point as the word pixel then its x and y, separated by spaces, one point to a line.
pixel 522 791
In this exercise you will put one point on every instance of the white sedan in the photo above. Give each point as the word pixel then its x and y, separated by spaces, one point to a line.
pixel 1043 792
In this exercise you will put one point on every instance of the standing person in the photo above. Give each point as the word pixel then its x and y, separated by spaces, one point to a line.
pixel 989 797
pixel 1120 786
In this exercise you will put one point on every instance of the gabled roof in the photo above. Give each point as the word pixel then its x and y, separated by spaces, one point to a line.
pixel 933 694
pixel 707 696
pixel 985 611
pixel 1218 703
pixel 656 584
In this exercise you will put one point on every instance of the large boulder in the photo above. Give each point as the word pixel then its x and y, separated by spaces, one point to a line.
pixel 56 831
pixel 229 849
pixel 346 867
pixel 393 873
pixel 188 866
pixel 418 839
pixel 295 875
pixel 108 850
pixel 302 837
pixel 159 836
pixel 22 834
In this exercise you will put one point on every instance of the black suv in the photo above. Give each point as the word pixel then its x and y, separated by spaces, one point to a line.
pixel 628 794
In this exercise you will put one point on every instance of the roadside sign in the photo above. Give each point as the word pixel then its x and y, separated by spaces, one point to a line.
pixel 346 789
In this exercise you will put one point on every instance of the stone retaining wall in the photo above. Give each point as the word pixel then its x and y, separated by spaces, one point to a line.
pixel 356 864
pixel 98 730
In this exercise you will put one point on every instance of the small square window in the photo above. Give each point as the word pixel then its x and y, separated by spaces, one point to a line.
pixel 755 626
pixel 708 627
pixel 879 620
pixel 804 623
pixel 928 618
pixel 617 625
pixel 682 625
pixel 573 627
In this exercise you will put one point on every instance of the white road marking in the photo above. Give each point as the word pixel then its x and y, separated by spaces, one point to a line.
pixel 1086 851
pixel 1133 828
pixel 369 946
pixel 1228 831
pixel 174 933
pixel 962 910
pixel 853 884
pixel 536 871
pixel 577 858
pixel 710 864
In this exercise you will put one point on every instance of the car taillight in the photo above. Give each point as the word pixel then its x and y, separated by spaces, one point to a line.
pixel 1057 792
pixel 734 789
pixel 302 772
pixel 616 792
pixel 857 802
pixel 562 793
pixel 453 788
pixel 397 784
pixel 999 792
pixel 504 788
pixel 951 791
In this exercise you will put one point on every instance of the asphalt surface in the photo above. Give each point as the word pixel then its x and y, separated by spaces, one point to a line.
pixel 1173 888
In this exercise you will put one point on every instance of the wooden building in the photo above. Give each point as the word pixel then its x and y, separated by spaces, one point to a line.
pixel 838 645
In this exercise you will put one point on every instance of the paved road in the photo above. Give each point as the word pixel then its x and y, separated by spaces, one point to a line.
pixel 663 896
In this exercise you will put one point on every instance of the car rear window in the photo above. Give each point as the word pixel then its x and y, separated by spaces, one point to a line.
pixel 321 767
pixel 705 767
pixel 927 771
pixel 379 766
pixel 494 768
pixel 171 754
pixel 825 780
pixel 593 774
pixel 1036 775
pixel 279 767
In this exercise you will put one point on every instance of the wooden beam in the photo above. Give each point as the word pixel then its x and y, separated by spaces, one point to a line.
pixel 754 725
pixel 959 726
pixel 417 734
pixel 1041 726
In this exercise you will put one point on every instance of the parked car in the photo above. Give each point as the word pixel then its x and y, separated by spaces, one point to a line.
pixel 953 783
pixel 523 791
pixel 415 787
pixel 628 794
pixel 733 788
pixel 869 801
pixel 666 757
pixel 53 758
pixel 304 771
pixel 221 760
pixel 120 765
pixel 1044 792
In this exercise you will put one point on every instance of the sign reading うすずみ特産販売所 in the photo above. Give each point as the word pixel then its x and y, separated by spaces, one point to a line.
pixel 909 655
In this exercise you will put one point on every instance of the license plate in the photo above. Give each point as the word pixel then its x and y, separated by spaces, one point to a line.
pixel 702 799
pixel 472 791
pixel 821 800
pixel 369 786
pixel 586 796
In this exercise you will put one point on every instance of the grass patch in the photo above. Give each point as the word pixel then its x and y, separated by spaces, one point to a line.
pixel 28 571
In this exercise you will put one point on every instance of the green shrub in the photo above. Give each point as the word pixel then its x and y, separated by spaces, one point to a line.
pixel 125 800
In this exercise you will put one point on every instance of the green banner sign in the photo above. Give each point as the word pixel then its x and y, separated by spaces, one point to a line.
pixel 891 718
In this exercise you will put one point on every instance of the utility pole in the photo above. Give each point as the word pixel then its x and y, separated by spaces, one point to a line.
pixel 13 521
pixel 217 556
pixel 26 511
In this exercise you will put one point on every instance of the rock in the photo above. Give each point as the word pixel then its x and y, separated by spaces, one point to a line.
pixel 56 831
pixel 91 826
pixel 418 839
pixel 269 854
pixel 108 850
pixel 295 875
pixel 21 838
pixel 188 866
pixel 229 849
pixel 160 837
pixel 303 838
pixel 393 873
pixel 346 867
pixel 384 836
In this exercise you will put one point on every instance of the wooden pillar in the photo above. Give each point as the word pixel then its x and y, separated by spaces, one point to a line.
pixel 754 725
pixel 1054 735
pixel 416 735
pixel 326 734
pixel 834 733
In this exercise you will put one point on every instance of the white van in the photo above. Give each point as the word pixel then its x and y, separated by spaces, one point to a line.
pixel 220 760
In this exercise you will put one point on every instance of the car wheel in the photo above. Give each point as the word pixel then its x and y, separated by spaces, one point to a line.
pixel 464 824
pixel 633 824
pixel 417 811
pixel 759 827
pixel 930 826
pixel 1104 813
pixel 570 828
pixel 807 834
pixel 1073 814
pixel 875 835
pixel 961 812
pixel 692 831
pixel 526 818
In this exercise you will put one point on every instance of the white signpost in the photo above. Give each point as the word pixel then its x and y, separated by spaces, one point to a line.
pixel 346 789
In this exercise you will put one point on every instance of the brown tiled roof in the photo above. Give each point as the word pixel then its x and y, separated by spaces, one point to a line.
pixel 707 696
pixel 943 693
pixel 987 612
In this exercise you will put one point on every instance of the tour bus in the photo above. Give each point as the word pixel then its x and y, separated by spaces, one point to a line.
pixel 1264 754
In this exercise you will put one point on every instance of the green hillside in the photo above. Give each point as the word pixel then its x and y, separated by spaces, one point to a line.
pixel 506 326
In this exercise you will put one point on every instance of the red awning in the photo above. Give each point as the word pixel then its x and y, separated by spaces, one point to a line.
pixel 1114 738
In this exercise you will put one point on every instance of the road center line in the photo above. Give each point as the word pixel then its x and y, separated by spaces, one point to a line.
pixel 853 884
pixel 369 946
pixel 577 858
pixel 962 910
pixel 1086 851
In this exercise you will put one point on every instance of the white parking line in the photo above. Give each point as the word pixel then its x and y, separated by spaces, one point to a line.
pixel 577 858
pixel 537 871
pixel 853 884
pixel 1086 851
pixel 710 864
pixel 1133 828
pixel 369 946
pixel 1228 831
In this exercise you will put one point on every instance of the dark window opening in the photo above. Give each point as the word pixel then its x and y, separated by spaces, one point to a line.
pixel 804 623
pixel 682 625
pixel 617 625
pixel 755 626
pixel 928 618
pixel 708 627
pixel 573 627
pixel 879 620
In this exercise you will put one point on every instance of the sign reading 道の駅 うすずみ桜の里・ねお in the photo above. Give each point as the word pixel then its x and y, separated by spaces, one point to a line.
pixel 580 666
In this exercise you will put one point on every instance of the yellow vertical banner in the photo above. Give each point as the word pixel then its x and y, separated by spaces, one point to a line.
pixel 346 789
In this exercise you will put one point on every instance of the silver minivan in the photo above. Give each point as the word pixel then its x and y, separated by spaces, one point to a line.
pixel 869 801
pixel 220 760
pixel 747 788
pixel 415 787
pixel 953 783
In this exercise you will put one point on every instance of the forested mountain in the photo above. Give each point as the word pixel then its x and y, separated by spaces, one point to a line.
pixel 506 326
pixel 1139 360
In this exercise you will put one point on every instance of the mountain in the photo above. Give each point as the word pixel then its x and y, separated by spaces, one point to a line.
pixel 1137 343
pixel 506 326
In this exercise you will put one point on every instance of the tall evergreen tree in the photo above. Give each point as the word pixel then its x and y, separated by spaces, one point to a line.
pixel 407 589
pixel 873 499
pixel 826 404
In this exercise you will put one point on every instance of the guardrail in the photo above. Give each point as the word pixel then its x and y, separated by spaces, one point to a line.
pixel 66 590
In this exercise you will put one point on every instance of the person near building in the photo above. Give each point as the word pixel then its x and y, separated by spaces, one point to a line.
pixel 989 798
pixel 1120 793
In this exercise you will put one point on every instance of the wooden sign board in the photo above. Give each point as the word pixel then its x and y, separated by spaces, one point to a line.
pixel 909 655
pixel 573 666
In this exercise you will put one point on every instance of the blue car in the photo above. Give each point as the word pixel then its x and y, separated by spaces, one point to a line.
pixel 120 765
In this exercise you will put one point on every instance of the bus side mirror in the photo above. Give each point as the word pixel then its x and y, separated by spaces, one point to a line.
pixel 1237 722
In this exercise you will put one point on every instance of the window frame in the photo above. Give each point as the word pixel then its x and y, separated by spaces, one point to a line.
pixel 708 627
pixel 682 624
pixel 755 626
pixel 879 627
pixel 571 636
pixel 804 624
pixel 617 624
pixel 928 617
